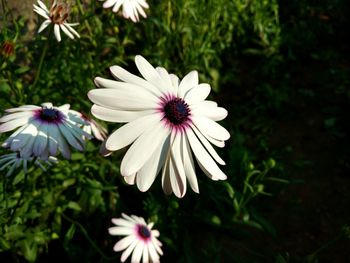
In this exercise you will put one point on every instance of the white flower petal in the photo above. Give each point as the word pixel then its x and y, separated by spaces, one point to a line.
pixel 66 31
pixel 145 257
pixel 120 231
pixel 122 74
pixel 141 150
pixel 122 222
pixel 130 132
pixel 41 12
pixel 121 99
pixel 16 115
pixel 67 134
pixel 204 160
pixel 187 83
pixel 119 116
pixel 175 83
pixel 153 253
pixel 189 165
pixel 41 140
pixel 71 29
pixel 13 124
pixel 57 32
pixel 208 146
pixel 147 174
pixel 150 74
pixel 27 150
pixel 44 25
pixel 166 185
pixel 130 179
pixel 214 113
pixel 136 255
pixel 176 168
pixel 24 108
pixel 210 128
pixel 128 251
pixel 62 145
pixel 117 6
pixel 139 10
pixel 22 138
pixel 53 139
pixel 163 73
pixel 197 94
pixel 43 6
pixel 110 3
pixel 124 243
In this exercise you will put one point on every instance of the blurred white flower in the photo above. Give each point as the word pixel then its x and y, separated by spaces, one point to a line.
pixel 131 8
pixel 92 127
pixel 166 121
pixel 43 131
pixel 140 239
pixel 57 15
pixel 12 161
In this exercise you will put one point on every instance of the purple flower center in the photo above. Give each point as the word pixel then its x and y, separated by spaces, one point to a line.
pixel 143 231
pixel 176 111
pixel 50 115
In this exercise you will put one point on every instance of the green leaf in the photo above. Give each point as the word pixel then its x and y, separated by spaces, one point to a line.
pixel 22 70
pixel 74 206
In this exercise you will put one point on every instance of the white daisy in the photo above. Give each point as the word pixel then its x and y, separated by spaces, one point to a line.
pixel 13 161
pixel 140 238
pixel 131 8
pixel 57 15
pixel 43 131
pixel 167 120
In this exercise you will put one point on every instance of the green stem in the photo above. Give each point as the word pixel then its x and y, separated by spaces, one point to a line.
pixel 81 10
pixel 43 54
pixel 19 199
pixel 85 233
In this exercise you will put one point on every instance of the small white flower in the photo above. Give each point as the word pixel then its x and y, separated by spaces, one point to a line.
pixel 57 15
pixel 140 239
pixel 43 131
pixel 131 8
pixel 167 120
pixel 13 161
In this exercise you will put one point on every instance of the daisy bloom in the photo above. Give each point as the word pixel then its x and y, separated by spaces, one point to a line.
pixel 13 161
pixel 131 8
pixel 167 119
pixel 57 15
pixel 43 131
pixel 140 239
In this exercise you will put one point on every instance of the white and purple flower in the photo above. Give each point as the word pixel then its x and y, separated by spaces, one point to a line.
pixel 167 119
pixel 141 240
pixel 43 131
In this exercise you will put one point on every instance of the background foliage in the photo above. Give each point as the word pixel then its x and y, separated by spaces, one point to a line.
pixel 282 71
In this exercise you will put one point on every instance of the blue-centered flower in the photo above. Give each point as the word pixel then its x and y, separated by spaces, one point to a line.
pixel 167 120
pixel 43 131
